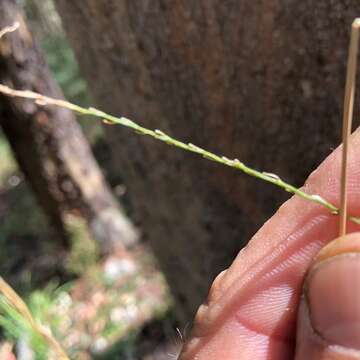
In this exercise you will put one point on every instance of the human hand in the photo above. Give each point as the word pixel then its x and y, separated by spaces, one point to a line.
pixel 253 308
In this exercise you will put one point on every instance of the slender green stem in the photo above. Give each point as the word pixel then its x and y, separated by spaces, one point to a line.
pixel 159 135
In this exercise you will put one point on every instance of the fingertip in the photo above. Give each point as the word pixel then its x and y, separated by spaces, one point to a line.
pixel 349 243
pixel 329 314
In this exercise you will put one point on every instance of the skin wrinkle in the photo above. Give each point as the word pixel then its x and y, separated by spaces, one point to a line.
pixel 279 338
pixel 235 296
pixel 255 344
pixel 278 298
pixel 266 234
pixel 230 279
pixel 297 224
pixel 260 269
pixel 277 316
pixel 323 221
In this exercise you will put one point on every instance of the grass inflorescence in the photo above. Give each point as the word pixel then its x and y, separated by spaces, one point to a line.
pixel 160 135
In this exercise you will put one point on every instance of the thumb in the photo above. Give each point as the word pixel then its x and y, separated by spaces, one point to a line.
pixel 329 312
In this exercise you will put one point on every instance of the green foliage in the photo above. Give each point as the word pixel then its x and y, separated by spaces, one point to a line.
pixel 16 327
pixel 22 221
pixel 43 301
pixel 84 251
pixel 25 327
pixel 28 218
pixel 28 222
pixel 7 163
pixel 63 65
pixel 130 345
pixel 21 230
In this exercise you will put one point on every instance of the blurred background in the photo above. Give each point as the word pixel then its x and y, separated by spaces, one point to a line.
pixel 113 239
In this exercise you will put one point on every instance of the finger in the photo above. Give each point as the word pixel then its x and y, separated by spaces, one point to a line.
pixel 329 314
pixel 251 310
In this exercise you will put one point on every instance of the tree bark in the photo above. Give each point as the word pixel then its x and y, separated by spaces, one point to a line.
pixel 258 80
pixel 50 147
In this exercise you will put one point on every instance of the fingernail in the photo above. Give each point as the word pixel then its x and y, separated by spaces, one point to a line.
pixel 333 295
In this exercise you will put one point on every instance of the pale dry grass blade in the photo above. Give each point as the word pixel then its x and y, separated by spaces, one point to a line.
pixel 9 29
pixel 19 305
pixel 347 120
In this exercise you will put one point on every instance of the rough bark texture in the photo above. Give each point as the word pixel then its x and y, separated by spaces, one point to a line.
pixel 50 147
pixel 258 80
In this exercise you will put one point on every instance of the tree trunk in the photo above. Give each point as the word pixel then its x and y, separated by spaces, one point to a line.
pixel 50 147
pixel 258 80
